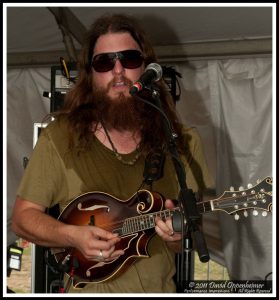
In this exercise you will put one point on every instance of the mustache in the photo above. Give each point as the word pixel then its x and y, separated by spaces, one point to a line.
pixel 118 79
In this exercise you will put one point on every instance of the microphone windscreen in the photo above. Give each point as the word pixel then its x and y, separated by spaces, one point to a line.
pixel 157 68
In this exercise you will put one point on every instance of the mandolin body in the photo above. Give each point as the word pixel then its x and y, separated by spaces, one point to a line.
pixel 107 212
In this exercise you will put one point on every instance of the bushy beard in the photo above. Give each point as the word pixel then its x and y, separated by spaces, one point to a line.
pixel 122 112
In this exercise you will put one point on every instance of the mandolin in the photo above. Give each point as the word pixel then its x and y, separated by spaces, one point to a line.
pixel 134 221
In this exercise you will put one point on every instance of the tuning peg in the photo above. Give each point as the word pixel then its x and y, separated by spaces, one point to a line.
pixel 264 213
pixel 255 213
pixel 249 185
pixel 231 188
pixel 236 216
pixel 241 188
pixel 258 181
pixel 245 213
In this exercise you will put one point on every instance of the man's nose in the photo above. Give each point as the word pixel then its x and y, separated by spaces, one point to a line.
pixel 118 68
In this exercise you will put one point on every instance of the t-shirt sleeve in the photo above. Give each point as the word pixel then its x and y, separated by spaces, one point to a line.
pixel 42 177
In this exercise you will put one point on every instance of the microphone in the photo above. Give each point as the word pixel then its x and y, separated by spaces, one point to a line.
pixel 153 72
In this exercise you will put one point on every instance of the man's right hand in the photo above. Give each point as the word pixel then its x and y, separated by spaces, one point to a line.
pixel 30 222
pixel 94 243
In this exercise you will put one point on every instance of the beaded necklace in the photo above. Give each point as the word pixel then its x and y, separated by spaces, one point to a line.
pixel 118 156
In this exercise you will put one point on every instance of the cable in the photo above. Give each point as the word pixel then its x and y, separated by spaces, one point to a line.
pixel 156 107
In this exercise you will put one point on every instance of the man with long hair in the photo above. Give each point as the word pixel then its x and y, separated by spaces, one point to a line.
pixel 100 141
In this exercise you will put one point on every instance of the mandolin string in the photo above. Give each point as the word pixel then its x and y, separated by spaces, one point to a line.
pixel 121 222
pixel 112 225
pixel 228 200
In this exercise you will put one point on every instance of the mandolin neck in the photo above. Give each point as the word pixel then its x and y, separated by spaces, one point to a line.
pixel 256 197
pixel 147 221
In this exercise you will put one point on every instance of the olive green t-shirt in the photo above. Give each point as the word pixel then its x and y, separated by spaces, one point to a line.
pixel 57 175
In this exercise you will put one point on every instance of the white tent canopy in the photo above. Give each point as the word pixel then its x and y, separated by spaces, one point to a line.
pixel 34 37
pixel 224 55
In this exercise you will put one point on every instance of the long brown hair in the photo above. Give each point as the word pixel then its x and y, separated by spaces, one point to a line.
pixel 79 102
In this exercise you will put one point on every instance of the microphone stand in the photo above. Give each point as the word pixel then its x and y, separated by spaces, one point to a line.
pixel 189 217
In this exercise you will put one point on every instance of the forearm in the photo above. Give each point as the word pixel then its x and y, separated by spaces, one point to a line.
pixel 32 223
pixel 42 229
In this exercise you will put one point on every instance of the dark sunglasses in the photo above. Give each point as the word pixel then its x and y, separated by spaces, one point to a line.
pixel 130 59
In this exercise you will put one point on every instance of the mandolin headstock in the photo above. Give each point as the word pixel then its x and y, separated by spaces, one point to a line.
pixel 253 199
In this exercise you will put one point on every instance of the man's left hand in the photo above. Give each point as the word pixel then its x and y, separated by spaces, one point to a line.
pixel 164 228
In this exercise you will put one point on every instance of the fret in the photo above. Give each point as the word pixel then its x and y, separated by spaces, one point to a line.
pixel 142 220
pixel 164 214
pixel 145 221
pixel 138 228
pixel 158 214
pixel 168 212
pixel 141 223
pixel 152 220
pixel 125 228
pixel 135 227
pixel 130 226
